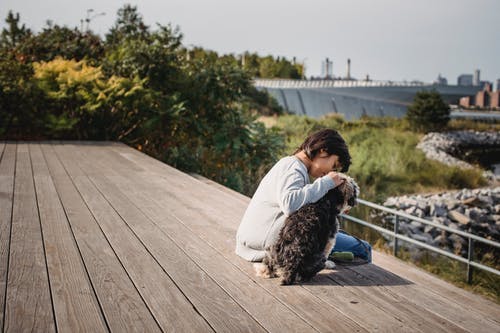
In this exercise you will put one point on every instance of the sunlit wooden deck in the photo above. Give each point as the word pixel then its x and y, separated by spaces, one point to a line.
pixel 99 237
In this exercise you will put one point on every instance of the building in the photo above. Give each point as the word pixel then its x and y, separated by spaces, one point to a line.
pixel 441 80
pixel 483 84
pixel 466 102
pixel 495 99
pixel 464 80
pixel 327 69
pixel 498 84
pixel 477 77
pixel 482 99
pixel 483 96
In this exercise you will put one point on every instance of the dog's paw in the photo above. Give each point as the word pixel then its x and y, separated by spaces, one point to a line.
pixel 261 270
pixel 329 264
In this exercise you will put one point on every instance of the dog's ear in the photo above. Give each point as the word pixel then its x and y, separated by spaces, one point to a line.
pixel 350 192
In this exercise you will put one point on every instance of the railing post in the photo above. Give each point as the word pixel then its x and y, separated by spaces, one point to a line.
pixel 396 227
pixel 470 257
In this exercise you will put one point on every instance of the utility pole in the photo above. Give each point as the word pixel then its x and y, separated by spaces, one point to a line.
pixel 89 19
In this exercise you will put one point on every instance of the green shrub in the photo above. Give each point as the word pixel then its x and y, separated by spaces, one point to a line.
pixel 428 112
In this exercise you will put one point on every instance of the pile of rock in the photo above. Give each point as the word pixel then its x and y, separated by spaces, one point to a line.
pixel 475 211
pixel 441 146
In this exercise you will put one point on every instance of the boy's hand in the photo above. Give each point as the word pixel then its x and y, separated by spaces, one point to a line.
pixel 337 178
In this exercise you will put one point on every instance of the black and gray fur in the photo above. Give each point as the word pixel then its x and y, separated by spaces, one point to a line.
pixel 308 236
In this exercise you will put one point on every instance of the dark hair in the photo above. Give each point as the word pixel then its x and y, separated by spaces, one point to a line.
pixel 330 141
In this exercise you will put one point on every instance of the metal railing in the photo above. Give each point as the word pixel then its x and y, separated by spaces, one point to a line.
pixel 397 214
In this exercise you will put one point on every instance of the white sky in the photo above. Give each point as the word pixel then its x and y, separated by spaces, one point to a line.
pixel 388 39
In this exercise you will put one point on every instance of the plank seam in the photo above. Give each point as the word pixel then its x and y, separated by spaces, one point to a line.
pixel 43 240
pixel 10 235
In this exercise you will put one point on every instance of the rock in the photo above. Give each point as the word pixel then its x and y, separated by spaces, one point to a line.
pixel 452 204
pixel 440 146
pixel 437 210
pixel 474 213
pixel 440 240
pixel 457 216
pixel 391 202
pixel 415 227
pixel 479 201
pixel 486 201
pixel 419 212
pixel 410 210
pixel 423 238
pixel 429 228
pixel 459 244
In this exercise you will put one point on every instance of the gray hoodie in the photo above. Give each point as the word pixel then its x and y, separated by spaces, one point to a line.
pixel 283 190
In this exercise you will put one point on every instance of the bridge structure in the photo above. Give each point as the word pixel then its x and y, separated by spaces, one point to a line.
pixel 99 237
pixel 353 99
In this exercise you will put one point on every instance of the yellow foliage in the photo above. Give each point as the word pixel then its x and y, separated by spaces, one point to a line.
pixel 61 77
pixel 69 72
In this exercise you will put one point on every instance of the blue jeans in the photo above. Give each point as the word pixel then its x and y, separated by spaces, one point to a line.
pixel 348 243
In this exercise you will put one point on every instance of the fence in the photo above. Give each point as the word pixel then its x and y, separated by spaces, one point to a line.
pixel 398 214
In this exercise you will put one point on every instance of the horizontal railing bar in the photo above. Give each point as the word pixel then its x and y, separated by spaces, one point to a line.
pixel 424 221
pixel 424 245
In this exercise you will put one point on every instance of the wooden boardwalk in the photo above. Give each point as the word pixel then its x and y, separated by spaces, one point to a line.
pixel 99 237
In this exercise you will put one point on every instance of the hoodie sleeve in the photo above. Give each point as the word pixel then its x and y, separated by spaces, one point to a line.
pixel 294 191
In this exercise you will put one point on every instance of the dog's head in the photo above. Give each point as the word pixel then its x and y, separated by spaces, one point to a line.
pixel 344 196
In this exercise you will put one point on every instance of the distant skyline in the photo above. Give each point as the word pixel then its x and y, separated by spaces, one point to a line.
pixel 387 39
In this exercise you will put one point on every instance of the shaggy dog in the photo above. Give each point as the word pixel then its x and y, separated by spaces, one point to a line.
pixel 308 237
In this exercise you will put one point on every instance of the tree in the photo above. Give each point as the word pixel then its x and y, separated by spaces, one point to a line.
pixel 129 24
pixel 56 41
pixel 428 112
pixel 20 99
pixel 12 36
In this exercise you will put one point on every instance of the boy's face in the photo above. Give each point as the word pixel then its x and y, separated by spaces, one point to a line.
pixel 323 163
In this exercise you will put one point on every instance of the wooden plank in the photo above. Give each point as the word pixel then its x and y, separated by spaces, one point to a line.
pixel 365 290
pixel 317 313
pixel 28 302
pixel 470 301
pixel 170 307
pixel 123 308
pixel 216 186
pixel 271 313
pixel 75 304
pixel 7 168
pixel 421 297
